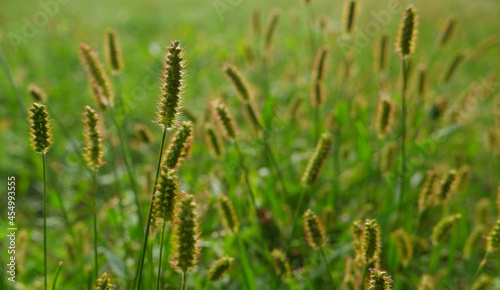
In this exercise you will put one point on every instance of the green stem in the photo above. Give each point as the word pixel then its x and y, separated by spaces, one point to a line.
pixel 294 217
pixel 96 269
pixel 402 187
pixel 276 167
pixel 245 173
pixel 158 279
pixel 44 223
pixel 6 68
pixel 481 266
pixel 184 281
pixel 138 273
pixel 57 275
pixel 435 253
pixel 322 252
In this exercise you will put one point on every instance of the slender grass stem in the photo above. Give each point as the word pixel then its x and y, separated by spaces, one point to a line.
pixel 276 167
pixel 118 83
pixel 184 281
pixel 158 279
pixel 44 222
pixel 245 173
pixel 481 266
pixel 6 68
pixel 57 275
pixel 322 252
pixel 402 185
pixel 138 273
pixel 294 217
pixel 96 262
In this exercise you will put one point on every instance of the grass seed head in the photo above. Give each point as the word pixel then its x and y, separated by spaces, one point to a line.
pixel 447 185
pixel 404 246
pixel 425 197
pixel 382 53
pixel 170 101
pixel 422 79
pixel 104 282
pixel 407 34
pixel 281 264
pixel 238 81
pixel 219 268
pixel 349 16
pixel 389 157
pixel 143 134
pixel 473 240
pixel 371 243
pixel 318 76
pixel 457 61
pixel 379 280
pixel 40 129
pixel 444 227
pixel 385 116
pixel 92 130
pixel 225 120
pixel 99 80
pixel 313 230
pixel 213 141
pixel 165 199
pixel 113 51
pixel 448 30
pixel 317 160
pixel 426 282
pixel 228 215
pixel 37 93
pixel 270 30
pixel 483 282
pixel 493 238
pixel 186 249
pixel 178 148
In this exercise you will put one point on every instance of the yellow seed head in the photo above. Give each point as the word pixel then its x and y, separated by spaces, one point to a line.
pixel 40 129
pixel 94 148
pixel 407 35
pixel 313 229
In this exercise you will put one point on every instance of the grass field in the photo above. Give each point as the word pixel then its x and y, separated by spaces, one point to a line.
pixel 378 207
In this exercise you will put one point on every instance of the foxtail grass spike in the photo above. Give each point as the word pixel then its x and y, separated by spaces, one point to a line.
pixel 104 282
pixel 228 214
pixel 443 228
pixel 165 199
pixel 317 160
pixel 225 120
pixel 186 249
pixel 349 16
pixel 281 264
pixel 318 76
pixel 178 148
pixel 143 134
pixel 37 93
pixel 448 30
pixel 422 80
pixel 382 53
pixel 482 212
pixel 219 268
pixel 170 101
pixel 482 282
pixel 255 23
pixel 94 148
pixel 447 186
pixel 473 240
pixel 426 193
pixel 113 51
pixel 379 280
pixel 371 243
pixel 99 80
pixel 251 116
pixel 213 141
pixel 313 230
pixel 457 61
pixel 40 129
pixel 426 283
pixel 385 116
pixel 238 81
pixel 270 30
pixel 404 246
pixel 407 34
pixel 493 238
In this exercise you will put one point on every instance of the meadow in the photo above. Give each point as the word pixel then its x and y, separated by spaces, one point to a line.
pixel 250 144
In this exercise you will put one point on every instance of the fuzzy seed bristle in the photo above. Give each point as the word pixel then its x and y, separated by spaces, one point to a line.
pixel 178 148
pixel 313 230
pixel 113 51
pixel 371 243
pixel 404 246
pixel 493 238
pixel 94 149
pixel 219 268
pixel 99 80
pixel 379 280
pixel 447 186
pixel 349 16
pixel 426 193
pixel 213 141
pixel 225 120
pixel 483 282
pixel 165 199
pixel 318 76
pixel 385 116
pixel 447 31
pixel 382 53
pixel 186 249
pixel 317 160
pixel 238 81
pixel 407 34
pixel 37 93
pixel 443 228
pixel 170 101
pixel 228 215
pixel 40 129
pixel 281 264
pixel 104 282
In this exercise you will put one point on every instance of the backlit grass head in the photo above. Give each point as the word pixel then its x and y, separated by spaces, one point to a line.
pixel 219 267
pixel 404 246
pixel 379 280
pixel 318 76
pixel 165 199
pixel 389 157
pixel 448 30
pixel 225 119
pixel 186 249
pixel 281 264
pixel 407 34
pixel 444 227
pixel 447 185
pixel 385 116
pixel 228 215
pixel 37 93
pixel 99 80
pixel 213 141
pixel 270 29
pixel 113 51
pixel 371 243
pixel 313 230
pixel 382 53
pixel 92 131
pixel 493 238
pixel 170 101
pixel 40 129
pixel 425 197
pixel 104 282
pixel 349 16
pixel 317 160
pixel 238 81
pixel 179 145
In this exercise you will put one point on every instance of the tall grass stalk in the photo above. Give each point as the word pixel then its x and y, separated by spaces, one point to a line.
pixel 96 262
pixel 402 187
pixel 158 279
pixel 57 275
pixel 138 273
pixel 245 173
pixel 44 221
pixel 327 266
